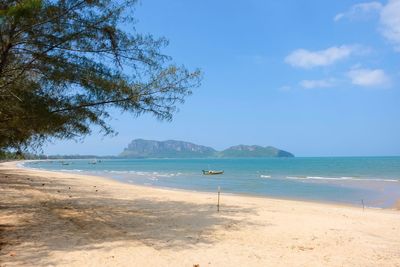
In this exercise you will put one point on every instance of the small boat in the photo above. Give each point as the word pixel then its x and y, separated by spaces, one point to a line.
pixel 209 172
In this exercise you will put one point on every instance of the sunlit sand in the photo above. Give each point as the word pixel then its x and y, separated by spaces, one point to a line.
pixel 60 219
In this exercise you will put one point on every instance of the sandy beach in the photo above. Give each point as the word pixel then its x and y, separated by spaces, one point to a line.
pixel 61 219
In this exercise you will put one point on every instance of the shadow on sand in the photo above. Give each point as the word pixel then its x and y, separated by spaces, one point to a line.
pixel 38 215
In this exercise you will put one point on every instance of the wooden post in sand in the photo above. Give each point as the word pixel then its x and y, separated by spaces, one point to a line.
pixel 219 189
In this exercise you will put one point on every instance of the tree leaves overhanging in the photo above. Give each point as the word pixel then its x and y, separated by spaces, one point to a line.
pixel 63 63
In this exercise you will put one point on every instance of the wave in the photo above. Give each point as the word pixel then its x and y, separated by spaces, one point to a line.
pixel 152 175
pixel 144 173
pixel 340 178
pixel 70 170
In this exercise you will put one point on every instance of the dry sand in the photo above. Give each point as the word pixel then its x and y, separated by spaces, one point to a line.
pixel 59 219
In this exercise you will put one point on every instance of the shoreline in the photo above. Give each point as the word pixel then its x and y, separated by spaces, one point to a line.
pixel 172 189
pixel 64 219
pixel 395 206
pixel 249 195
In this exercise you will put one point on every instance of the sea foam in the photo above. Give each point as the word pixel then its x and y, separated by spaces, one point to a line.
pixel 340 178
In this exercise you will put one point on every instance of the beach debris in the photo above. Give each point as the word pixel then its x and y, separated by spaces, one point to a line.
pixel 69 188
pixel 196 265
pixel 97 190
pixel 12 253
pixel 58 191
pixel 42 184
pixel 301 248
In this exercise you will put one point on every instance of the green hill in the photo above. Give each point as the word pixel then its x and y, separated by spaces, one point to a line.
pixel 140 148
pixel 244 151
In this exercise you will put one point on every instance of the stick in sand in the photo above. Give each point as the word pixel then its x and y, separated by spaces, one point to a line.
pixel 219 189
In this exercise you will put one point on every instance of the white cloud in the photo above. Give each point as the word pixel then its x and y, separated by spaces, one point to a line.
pixel 303 58
pixel 390 22
pixel 339 16
pixel 389 18
pixel 311 84
pixel 360 11
pixel 368 77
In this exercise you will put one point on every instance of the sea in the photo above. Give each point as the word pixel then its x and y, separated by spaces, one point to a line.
pixel 360 181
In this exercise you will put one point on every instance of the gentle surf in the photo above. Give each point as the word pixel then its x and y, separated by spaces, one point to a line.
pixel 374 181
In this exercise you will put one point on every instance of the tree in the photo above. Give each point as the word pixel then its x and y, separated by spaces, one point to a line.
pixel 64 63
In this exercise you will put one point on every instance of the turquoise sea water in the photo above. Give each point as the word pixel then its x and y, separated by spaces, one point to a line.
pixel 373 180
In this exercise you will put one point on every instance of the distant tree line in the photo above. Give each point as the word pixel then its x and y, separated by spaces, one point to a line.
pixel 19 155
pixel 7 155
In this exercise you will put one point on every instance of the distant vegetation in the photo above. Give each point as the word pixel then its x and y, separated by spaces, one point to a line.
pixel 243 151
pixel 141 148
pixel 30 156
pixel 5 155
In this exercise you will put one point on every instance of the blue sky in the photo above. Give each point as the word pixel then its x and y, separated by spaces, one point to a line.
pixel 317 78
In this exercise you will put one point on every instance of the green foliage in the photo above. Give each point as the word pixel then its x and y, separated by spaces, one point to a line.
pixel 64 63
pixel 243 151
pixel 22 9
pixel 7 155
pixel 140 148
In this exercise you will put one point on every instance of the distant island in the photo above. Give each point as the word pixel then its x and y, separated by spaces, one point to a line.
pixel 141 148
